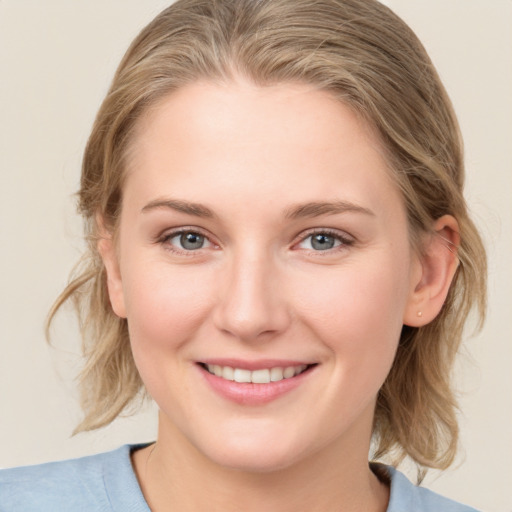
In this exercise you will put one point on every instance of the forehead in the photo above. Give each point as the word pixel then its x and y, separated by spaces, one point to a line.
pixel 211 109
pixel 226 138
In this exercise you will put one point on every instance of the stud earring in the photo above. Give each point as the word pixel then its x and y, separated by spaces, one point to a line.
pixel 420 313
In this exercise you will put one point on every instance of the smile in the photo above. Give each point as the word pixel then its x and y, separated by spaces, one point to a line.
pixel 255 383
pixel 261 376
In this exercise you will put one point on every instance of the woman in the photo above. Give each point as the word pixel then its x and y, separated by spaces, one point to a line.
pixel 280 255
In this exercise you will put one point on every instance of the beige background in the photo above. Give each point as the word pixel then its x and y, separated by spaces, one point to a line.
pixel 56 60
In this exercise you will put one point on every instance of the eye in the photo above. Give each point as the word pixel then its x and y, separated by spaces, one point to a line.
pixel 323 241
pixel 187 241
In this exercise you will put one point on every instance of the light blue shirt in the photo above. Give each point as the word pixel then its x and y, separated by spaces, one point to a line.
pixel 106 482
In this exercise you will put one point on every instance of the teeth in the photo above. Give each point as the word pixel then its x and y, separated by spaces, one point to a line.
pixel 242 375
pixel 257 376
pixel 276 374
pixel 289 372
pixel 260 376
pixel 227 372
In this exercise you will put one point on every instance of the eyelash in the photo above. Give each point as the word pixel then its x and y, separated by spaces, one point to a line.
pixel 344 239
pixel 167 237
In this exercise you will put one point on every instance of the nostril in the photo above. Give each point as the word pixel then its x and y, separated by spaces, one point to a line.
pixel 248 310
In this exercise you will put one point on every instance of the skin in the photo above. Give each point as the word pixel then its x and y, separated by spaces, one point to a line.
pixel 258 289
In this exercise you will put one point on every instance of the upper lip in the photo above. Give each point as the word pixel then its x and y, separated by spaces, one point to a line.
pixel 252 365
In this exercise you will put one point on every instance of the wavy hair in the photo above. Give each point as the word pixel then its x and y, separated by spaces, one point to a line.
pixel 368 58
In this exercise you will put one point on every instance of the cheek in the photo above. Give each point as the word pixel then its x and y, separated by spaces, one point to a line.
pixel 164 304
pixel 357 311
pixel 166 307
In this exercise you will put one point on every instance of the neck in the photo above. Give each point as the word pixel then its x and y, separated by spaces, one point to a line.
pixel 175 476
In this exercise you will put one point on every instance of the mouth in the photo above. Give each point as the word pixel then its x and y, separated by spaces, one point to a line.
pixel 254 383
pixel 258 376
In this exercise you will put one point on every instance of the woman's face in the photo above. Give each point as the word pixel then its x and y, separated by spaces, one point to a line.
pixel 261 240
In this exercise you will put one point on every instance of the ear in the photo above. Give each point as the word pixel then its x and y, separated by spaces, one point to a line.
pixel 107 249
pixel 438 263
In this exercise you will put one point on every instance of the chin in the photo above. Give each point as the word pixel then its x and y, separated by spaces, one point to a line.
pixel 255 454
pixel 261 461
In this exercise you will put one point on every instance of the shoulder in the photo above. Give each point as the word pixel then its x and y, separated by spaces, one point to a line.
pixel 88 483
pixel 406 496
pixel 75 484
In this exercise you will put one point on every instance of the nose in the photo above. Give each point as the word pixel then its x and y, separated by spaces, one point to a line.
pixel 252 305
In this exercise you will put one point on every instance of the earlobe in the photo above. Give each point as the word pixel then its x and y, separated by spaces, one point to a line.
pixel 438 263
pixel 107 250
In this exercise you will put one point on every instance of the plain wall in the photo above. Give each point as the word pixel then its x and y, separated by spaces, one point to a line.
pixel 57 58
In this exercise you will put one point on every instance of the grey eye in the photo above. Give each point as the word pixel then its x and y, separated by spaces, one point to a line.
pixel 322 242
pixel 189 240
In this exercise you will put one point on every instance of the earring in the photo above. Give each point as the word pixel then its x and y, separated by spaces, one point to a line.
pixel 420 313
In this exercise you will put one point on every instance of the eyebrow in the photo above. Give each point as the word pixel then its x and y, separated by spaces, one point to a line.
pixel 298 211
pixel 316 209
pixel 196 209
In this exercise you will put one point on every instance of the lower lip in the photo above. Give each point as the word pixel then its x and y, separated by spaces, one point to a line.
pixel 247 393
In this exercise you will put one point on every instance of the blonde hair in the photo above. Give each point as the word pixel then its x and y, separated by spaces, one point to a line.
pixel 369 59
